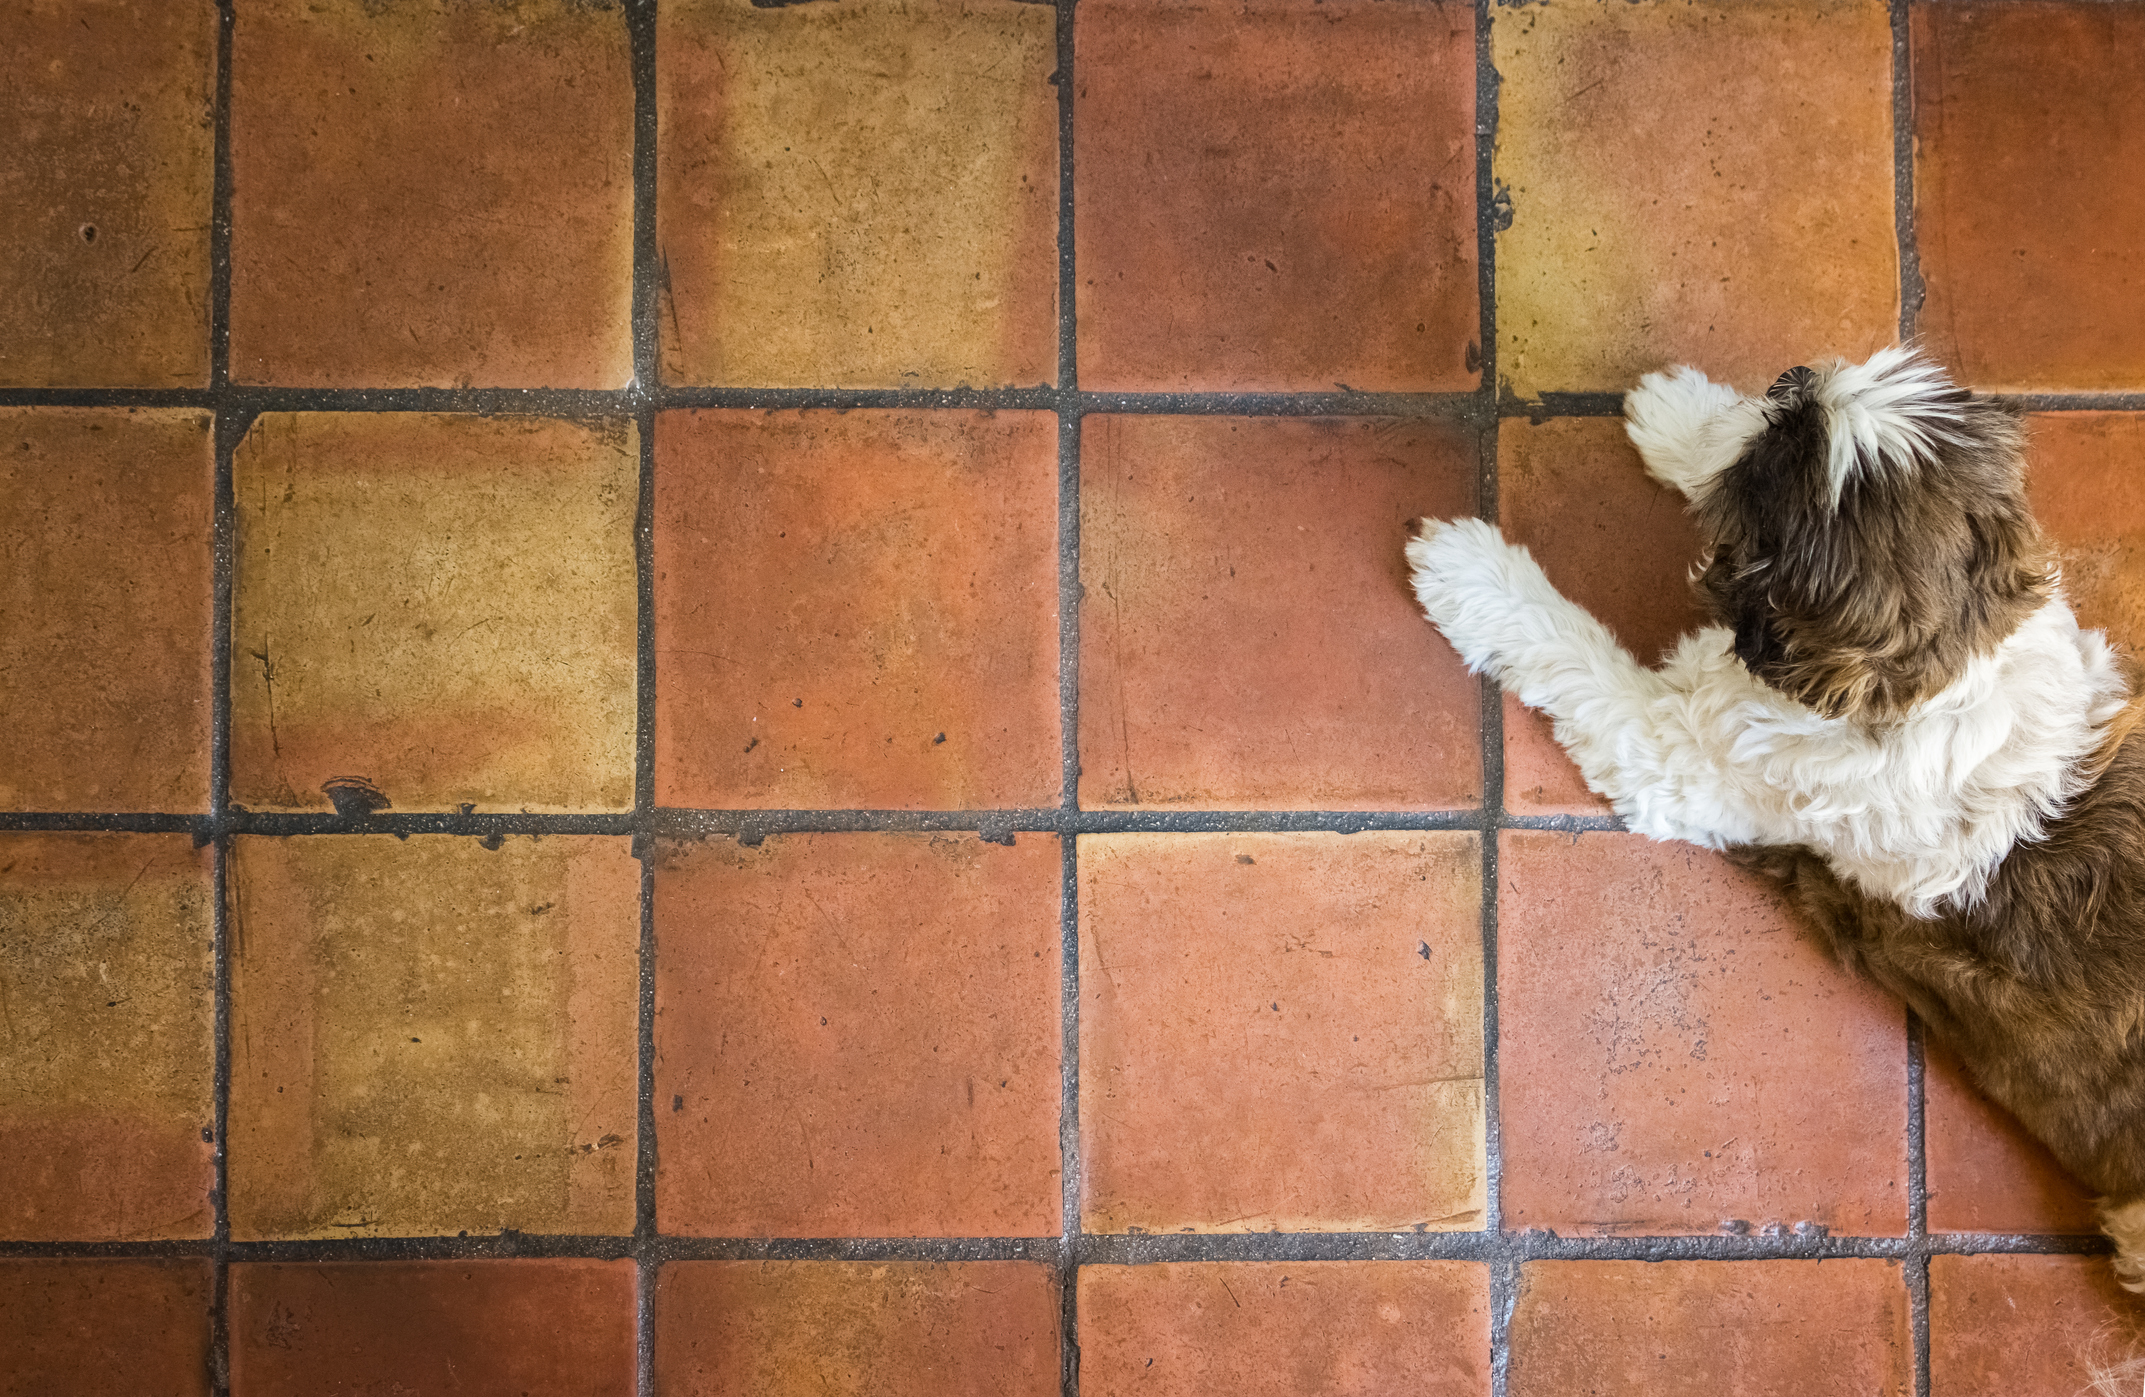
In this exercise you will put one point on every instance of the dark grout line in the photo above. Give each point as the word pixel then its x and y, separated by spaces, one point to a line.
pixel 1069 1249
pixel 220 1116
pixel 1911 288
pixel 228 429
pixel 220 205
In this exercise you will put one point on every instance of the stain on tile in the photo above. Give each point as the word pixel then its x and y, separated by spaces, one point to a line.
pixel 429 1036
pixel 2083 482
pixel 91 1328
pixel 2000 1325
pixel 1986 1174
pixel 1281 1032
pixel 441 606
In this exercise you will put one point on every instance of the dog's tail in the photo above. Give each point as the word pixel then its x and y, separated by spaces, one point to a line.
pixel 2108 1376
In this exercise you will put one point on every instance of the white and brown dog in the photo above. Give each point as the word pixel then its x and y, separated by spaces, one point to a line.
pixel 1897 714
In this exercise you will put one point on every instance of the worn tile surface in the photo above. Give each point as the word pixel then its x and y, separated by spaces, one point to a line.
pixel 1180 1329
pixel 1985 1172
pixel 91 1328
pixel 1703 182
pixel 1247 638
pixel 429 1036
pixel 107 177
pixel 2004 1326
pixel 858 1035
pixel 431 193
pixel 106 524
pixel 856 609
pixel 442 606
pixel 1275 196
pixel 1281 1032
pixel 2083 482
pixel 845 1329
pixel 1678 1056
pixel 858 197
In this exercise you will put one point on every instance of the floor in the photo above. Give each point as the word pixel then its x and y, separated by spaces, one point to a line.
pixel 715 697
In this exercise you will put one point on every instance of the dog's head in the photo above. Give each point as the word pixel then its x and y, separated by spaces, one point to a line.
pixel 1871 536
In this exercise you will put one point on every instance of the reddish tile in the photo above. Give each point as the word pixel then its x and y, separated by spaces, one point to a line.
pixel 106 550
pixel 431 194
pixel 1180 1329
pixel 1281 1032
pixel 858 196
pixel 1986 1174
pixel 856 609
pixel 1247 637
pixel 858 1035
pixel 1700 1328
pixel 107 177
pixel 1703 182
pixel 1276 196
pixel 1679 1057
pixel 2021 109
pixel 90 1328
pixel 2086 491
pixel 395 1327
pixel 430 1036
pixel 775 1328
pixel 2028 1326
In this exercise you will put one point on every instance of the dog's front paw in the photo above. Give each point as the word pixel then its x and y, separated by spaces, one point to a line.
pixel 1469 581
pixel 1687 427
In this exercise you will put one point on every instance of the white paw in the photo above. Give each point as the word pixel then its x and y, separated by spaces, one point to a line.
pixel 1687 427
pixel 1470 582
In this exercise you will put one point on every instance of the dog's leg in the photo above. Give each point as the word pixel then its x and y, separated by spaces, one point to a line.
pixel 1688 428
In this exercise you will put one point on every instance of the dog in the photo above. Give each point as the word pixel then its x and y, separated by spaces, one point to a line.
pixel 1896 714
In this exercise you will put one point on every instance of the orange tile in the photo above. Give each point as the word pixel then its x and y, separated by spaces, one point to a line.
pixel 108 168
pixel 2009 1326
pixel 931 1329
pixel 1272 196
pixel 1677 1055
pixel 1281 1032
pixel 431 194
pixel 106 550
pixel 2085 490
pixel 1247 638
pixel 856 610
pixel 397 1327
pixel 1703 182
pixel 1700 1328
pixel 91 1328
pixel 1986 1174
pixel 858 1035
pixel 2021 110
pixel 1250 1328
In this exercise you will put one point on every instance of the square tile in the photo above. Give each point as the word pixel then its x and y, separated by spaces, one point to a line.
pixel 1679 1058
pixel 931 1329
pixel 1699 1328
pixel 858 1035
pixel 429 1036
pixel 107 537
pixel 856 609
pixel 1247 638
pixel 1275 196
pixel 1281 1032
pixel 431 194
pixel 2083 483
pixel 445 607
pixel 2021 109
pixel 2005 1326
pixel 858 197
pixel 1574 492
pixel 108 1079
pixel 1985 1173
pixel 91 1328
pixel 107 176
pixel 1183 1328
pixel 1692 182
pixel 395 1327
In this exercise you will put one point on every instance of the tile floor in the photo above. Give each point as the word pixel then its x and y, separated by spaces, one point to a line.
pixel 712 696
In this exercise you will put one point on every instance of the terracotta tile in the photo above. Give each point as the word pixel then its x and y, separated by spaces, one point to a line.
pixel 856 609
pixel 775 1328
pixel 1986 1174
pixel 1706 182
pixel 88 1328
pixel 1574 492
pixel 1677 1055
pixel 106 1084
pixel 107 176
pixel 444 606
pixel 2010 1326
pixel 429 1036
pixel 1281 1032
pixel 1697 1328
pixel 1285 1327
pixel 2084 487
pixel 2020 109
pixel 858 1035
pixel 434 193
pixel 106 528
pixel 1272 196
pixel 433 1326
pixel 858 197
pixel 1248 638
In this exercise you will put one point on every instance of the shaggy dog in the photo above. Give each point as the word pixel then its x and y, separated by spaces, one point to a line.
pixel 1896 714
